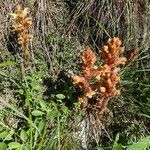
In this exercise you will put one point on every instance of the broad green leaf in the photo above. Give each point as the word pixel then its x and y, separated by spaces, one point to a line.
pixel 3 146
pixel 60 96
pixel 43 105
pixel 4 134
pixel 9 136
pixel 23 135
pixel 14 145
pixel 52 114
pixel 142 144
pixel 37 113
pixel 25 147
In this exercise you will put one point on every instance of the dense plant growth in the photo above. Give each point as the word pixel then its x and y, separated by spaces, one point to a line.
pixel 49 100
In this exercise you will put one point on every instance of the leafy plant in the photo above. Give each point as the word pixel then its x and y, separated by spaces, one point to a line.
pixel 142 144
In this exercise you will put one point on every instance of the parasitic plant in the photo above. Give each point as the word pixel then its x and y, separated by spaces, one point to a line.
pixel 21 24
pixel 98 84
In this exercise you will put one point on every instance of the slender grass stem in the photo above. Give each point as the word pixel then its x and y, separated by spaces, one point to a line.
pixel 42 140
pixel 58 132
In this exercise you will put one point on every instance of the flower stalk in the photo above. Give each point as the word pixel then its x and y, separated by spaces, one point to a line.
pixel 21 25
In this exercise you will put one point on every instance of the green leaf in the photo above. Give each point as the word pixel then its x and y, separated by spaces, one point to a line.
pixel 1 128
pixel 35 86
pixel 36 134
pixel 142 144
pixel 60 96
pixel 9 136
pixel 3 146
pixel 4 134
pixel 147 116
pixel 41 125
pixel 49 115
pixel 8 63
pixel 25 147
pixel 116 145
pixel 23 135
pixel 37 113
pixel 43 105
pixel 64 109
pixel 14 145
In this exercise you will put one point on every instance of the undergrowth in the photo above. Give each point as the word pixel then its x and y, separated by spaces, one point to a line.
pixel 39 106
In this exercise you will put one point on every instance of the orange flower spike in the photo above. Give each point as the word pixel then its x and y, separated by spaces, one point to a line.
pixel 76 79
pixel 114 45
pixel 115 92
pixel 27 22
pixel 21 25
pixel 20 41
pixel 115 78
pixel 109 83
pixel 122 60
pixel 88 58
pixel 24 13
pixel 107 76
pixel 84 101
pixel 103 89
pixel 84 86
pixel 90 94
pixel 18 9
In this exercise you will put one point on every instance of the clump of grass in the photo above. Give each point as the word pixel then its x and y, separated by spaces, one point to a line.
pixel 95 21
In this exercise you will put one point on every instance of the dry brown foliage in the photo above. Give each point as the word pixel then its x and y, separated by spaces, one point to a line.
pixel 131 55
pixel 98 84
